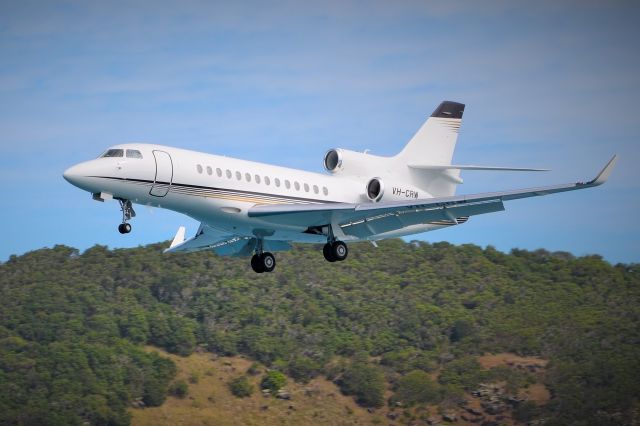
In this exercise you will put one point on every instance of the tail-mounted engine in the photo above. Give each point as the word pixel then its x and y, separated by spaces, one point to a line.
pixel 352 163
pixel 375 189
pixel 378 189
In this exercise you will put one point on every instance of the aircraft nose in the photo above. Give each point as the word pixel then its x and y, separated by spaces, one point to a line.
pixel 71 174
pixel 75 174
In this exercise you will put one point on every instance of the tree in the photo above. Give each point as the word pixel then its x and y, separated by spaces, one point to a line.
pixel 416 387
pixel 365 381
pixel 303 369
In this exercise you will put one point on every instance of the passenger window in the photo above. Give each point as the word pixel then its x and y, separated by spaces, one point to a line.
pixel 257 179
pixel 247 176
pixel 238 175
pixel 315 188
pixel 297 185
pixel 219 172
pixel 209 170
pixel 199 167
pixel 278 182
pixel 228 174
pixel 325 191
pixel 133 153
pixel 267 181
pixel 114 153
pixel 306 187
pixel 287 183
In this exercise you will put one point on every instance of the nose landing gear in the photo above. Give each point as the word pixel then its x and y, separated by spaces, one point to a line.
pixel 127 214
pixel 124 228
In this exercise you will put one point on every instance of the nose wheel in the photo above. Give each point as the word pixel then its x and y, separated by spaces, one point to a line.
pixel 127 214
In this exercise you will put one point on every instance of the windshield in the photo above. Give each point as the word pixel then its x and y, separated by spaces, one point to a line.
pixel 133 153
pixel 113 153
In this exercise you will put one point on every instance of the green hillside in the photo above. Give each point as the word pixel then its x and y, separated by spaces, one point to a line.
pixel 402 326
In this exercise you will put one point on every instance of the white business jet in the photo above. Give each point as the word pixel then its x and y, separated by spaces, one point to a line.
pixel 247 208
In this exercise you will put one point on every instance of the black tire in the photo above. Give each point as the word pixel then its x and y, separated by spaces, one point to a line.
pixel 339 251
pixel 328 253
pixel 256 264
pixel 268 262
pixel 121 229
pixel 127 228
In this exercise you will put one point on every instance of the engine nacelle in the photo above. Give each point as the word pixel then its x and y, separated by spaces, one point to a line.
pixel 352 163
pixel 387 183
pixel 376 191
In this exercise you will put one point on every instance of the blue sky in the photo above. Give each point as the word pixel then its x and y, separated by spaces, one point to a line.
pixel 547 84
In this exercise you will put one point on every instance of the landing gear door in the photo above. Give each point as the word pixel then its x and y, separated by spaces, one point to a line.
pixel 164 174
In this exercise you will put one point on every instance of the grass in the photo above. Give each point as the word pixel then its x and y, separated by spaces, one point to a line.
pixel 209 401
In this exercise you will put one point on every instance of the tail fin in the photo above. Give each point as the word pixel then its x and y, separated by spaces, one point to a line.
pixel 435 141
pixel 434 144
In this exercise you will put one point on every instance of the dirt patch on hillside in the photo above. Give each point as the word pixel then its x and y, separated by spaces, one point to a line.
pixel 537 393
pixel 488 361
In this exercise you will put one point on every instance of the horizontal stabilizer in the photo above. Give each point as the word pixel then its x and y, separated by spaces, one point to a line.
pixel 472 167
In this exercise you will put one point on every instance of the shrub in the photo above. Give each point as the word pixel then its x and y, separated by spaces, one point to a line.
pixel 241 387
pixel 179 389
pixel 273 380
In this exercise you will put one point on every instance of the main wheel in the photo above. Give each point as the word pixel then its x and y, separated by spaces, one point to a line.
pixel 328 253
pixel 268 262
pixel 124 228
pixel 256 264
pixel 339 251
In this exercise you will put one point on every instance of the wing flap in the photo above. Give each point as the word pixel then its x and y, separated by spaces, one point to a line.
pixel 221 242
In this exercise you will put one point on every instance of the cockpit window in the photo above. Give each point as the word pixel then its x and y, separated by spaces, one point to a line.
pixel 133 153
pixel 114 153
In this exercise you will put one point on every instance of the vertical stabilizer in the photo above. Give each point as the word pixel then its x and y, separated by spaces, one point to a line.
pixel 435 141
pixel 434 144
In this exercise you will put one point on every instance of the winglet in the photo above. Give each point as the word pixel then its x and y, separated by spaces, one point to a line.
pixel 179 238
pixel 606 171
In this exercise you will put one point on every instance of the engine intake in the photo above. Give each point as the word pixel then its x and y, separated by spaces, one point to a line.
pixel 375 189
pixel 333 160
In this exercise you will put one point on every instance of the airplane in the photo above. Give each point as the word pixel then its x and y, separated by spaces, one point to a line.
pixel 253 209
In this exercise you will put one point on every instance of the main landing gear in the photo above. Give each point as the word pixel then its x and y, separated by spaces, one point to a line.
pixel 127 214
pixel 335 250
pixel 262 261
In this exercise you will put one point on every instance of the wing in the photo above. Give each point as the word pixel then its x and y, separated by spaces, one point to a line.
pixel 221 242
pixel 366 220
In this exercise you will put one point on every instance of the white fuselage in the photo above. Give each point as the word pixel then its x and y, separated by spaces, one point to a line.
pixel 219 191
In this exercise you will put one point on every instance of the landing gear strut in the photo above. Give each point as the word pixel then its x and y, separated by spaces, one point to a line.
pixel 262 261
pixel 335 250
pixel 127 214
